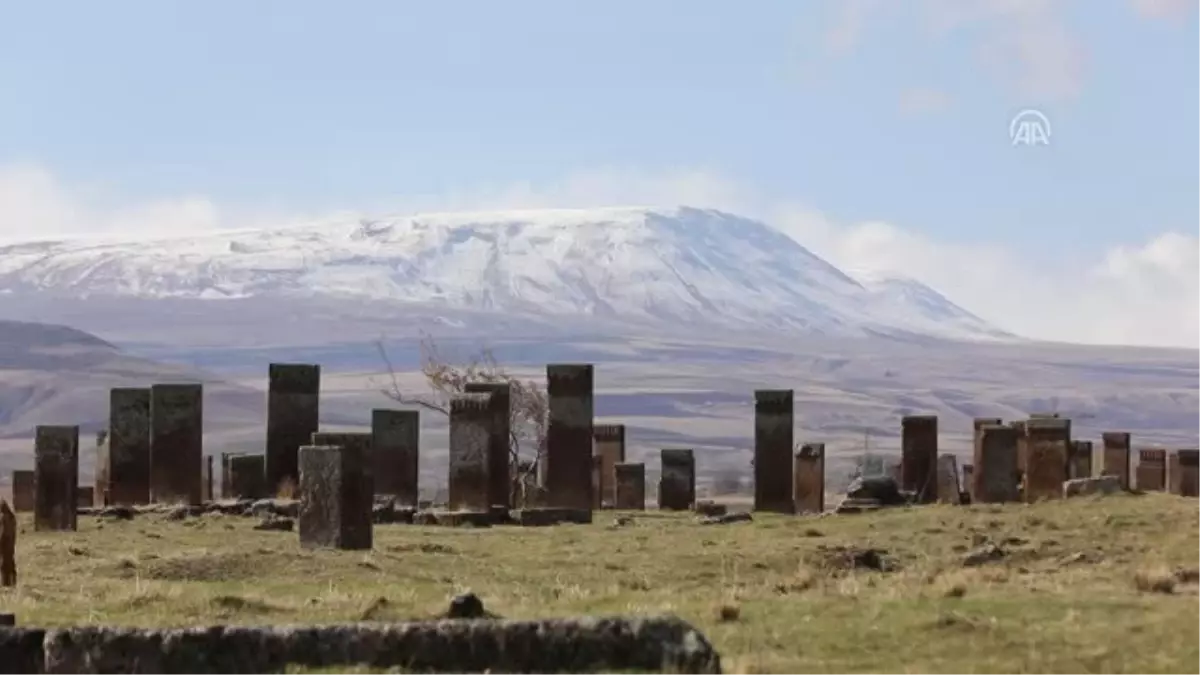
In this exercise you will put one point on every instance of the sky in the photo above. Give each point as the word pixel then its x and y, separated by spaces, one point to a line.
pixel 875 132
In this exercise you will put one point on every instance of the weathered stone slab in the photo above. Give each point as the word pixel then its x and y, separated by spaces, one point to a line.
pixel 1048 441
pixel 247 477
pixel 631 486
pixel 1152 470
pixel 499 452
pixel 176 442
pixel 335 506
pixel 362 442
pixel 293 410
pixel 810 478
pixel 918 456
pixel 677 483
pixel 127 469
pixel 1100 485
pixel 23 491
pixel 1080 463
pixel 947 478
pixel 996 476
pixel 85 496
pixel 609 442
pixel 774 419
pixel 569 435
pixel 471 423
pixel 1116 456
pixel 100 469
pixel 1184 475
pixel 395 454
pixel 56 462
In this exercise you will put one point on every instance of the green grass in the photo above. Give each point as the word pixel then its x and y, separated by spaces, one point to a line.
pixel 1088 585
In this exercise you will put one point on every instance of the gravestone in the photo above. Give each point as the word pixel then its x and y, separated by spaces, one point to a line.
pixel 1080 465
pixel 293 409
pixel 947 477
pixel 995 479
pixel 1116 456
pixel 56 480
pixel 127 459
pixel 1152 470
pixel 677 482
pixel 395 454
pixel 1047 441
pixel 1185 482
pixel 810 478
pixel 471 421
pixel 176 442
pixel 335 510
pixel 610 448
pixel 85 496
pixel 631 486
pixel 774 419
pixel 247 477
pixel 918 456
pixel 23 491
pixel 360 443
pixel 499 452
pixel 568 459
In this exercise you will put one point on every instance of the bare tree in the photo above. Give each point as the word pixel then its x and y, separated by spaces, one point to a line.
pixel 529 405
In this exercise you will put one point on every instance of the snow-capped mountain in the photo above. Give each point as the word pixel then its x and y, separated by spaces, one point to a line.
pixel 680 266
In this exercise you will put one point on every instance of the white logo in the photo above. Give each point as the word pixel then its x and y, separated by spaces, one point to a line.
pixel 1029 127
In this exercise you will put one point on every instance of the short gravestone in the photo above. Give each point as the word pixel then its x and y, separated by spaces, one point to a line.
pixel 499 451
pixel 176 443
pixel 1047 444
pixel 631 486
pixel 471 422
pixel 127 452
pixel 677 481
pixel 609 442
pixel 568 456
pixel 395 454
pixel 56 461
pixel 293 408
pixel 947 477
pixel 1080 464
pixel 360 444
pixel 24 495
pixel 918 456
pixel 774 419
pixel 247 477
pixel 1185 474
pixel 334 511
pixel 1152 470
pixel 995 477
pixel 809 478
pixel 1116 457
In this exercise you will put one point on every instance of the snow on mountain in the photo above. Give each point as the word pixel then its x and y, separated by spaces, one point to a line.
pixel 680 266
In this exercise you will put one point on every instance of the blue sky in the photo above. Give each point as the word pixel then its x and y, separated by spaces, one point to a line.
pixel 832 119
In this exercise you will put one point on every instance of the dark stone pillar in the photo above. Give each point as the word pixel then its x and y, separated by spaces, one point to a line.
pixel 1116 456
pixel 569 436
pixel 247 477
pixel 334 510
pixel 1184 476
pixel 631 486
pixel 1048 441
pixel 359 444
pixel 499 454
pixel 208 479
pixel 773 422
pixel 609 442
pixel 176 442
pixel 1080 463
pixel 128 465
pixel 677 484
pixel 24 491
pixel 918 456
pixel 56 480
pixel 471 435
pixel 1152 470
pixel 395 453
pixel 995 477
pixel 810 478
pixel 293 408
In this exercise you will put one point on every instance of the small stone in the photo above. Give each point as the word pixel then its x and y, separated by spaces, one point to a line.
pixel 466 606
pixel 1100 485
pixel 726 519
pixel 276 524
pixel 984 554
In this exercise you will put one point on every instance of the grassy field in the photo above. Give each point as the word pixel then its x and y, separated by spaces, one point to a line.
pixel 1090 585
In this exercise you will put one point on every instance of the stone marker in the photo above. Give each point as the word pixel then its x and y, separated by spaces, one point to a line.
pixel 85 496
pixel 395 454
pixel 1047 441
pixel 176 443
pixel 128 446
pixel 631 486
pixel 774 418
pixel 995 478
pixel 8 546
pixel 335 509
pixel 677 483
pixel 1116 456
pixel 293 409
pixel 23 491
pixel 1152 470
pixel 569 435
pixel 810 478
pixel 918 456
pixel 947 479
pixel 1080 463
pixel 247 477
pixel 352 439
pixel 56 458
pixel 499 452
pixel 471 421
pixel 610 448
pixel 1185 473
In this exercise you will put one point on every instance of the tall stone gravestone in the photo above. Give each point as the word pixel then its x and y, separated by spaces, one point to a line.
pixel 499 452
pixel 293 410
pixel 395 453
pixel 127 474
pixel 947 479
pixel 23 490
pixel 360 445
pixel 677 482
pixel 335 512
pixel 56 480
pixel 774 419
pixel 631 486
pixel 1116 456
pixel 1152 470
pixel 471 423
pixel 1184 473
pixel 610 449
pixel 568 459
pixel 996 476
pixel 247 477
pixel 176 442
pixel 1080 464
pixel 810 478
pixel 1048 441
pixel 918 456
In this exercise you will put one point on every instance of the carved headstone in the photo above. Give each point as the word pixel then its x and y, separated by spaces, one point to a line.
pixel 1151 471
pixel 1184 474
pixel 127 469
pixel 499 453
pixel 247 477
pixel 23 491
pixel 1047 441
pixel 774 418
pixel 995 478
pixel 1080 464
pixel 569 435
pixel 335 512
pixel 471 421
pixel 947 478
pixel 810 478
pixel 677 482
pixel 1116 456
pixel 631 486
pixel 610 448
pixel 395 453
pixel 293 409
pixel 56 458
pixel 176 442
pixel 360 443
pixel 918 456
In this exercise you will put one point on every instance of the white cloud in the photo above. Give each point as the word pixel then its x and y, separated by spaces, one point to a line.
pixel 1135 293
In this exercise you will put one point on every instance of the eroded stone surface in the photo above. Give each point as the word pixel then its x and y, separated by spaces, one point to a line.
pixel 293 408
pixel 471 422
pixel 996 473
pixel 1116 457
pixel 631 486
pixel 1151 470
pixel 335 500
pixel 1048 442
pixel 127 453
pixel 677 483
pixel 56 461
pixel 773 445
pixel 568 457
pixel 395 453
pixel 810 478
pixel 499 482
pixel 918 456
pixel 610 448
pixel 176 442
pixel 947 477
